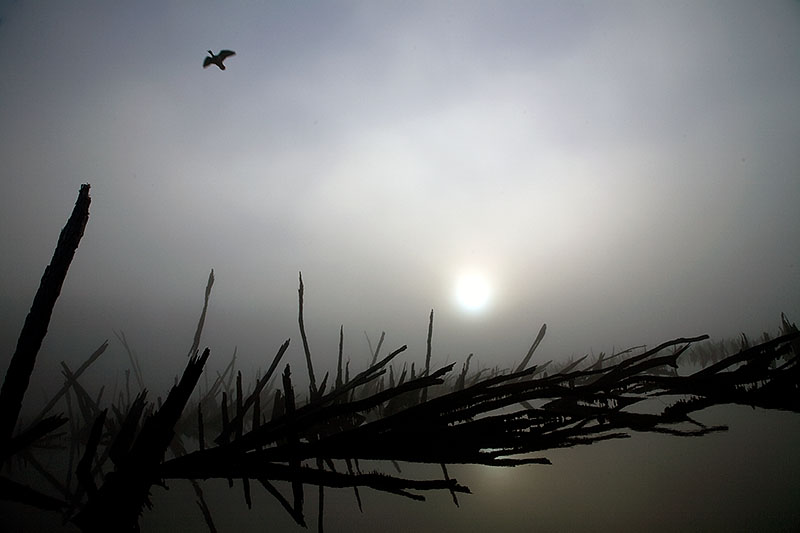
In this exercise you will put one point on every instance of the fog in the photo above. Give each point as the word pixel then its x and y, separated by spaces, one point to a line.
pixel 625 172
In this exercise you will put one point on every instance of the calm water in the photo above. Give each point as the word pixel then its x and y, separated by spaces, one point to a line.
pixel 746 479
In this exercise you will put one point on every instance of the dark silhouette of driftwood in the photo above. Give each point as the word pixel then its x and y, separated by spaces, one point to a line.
pixel 17 492
pixel 200 323
pixel 86 364
pixel 527 358
pixel 137 370
pixel 36 323
pixel 117 504
pixel 252 399
pixel 301 323
pixel 490 417
pixel 428 346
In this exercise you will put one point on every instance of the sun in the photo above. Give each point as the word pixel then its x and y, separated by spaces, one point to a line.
pixel 472 292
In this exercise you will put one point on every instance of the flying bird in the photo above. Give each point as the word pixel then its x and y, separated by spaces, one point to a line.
pixel 217 59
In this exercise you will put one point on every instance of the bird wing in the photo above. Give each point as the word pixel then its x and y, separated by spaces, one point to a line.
pixel 225 53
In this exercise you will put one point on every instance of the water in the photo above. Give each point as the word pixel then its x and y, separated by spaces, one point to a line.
pixel 745 479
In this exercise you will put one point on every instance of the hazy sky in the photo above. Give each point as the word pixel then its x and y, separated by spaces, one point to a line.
pixel 627 172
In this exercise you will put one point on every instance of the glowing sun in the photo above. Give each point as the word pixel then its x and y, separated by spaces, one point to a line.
pixel 472 292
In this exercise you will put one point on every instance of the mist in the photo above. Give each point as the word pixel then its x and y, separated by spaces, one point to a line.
pixel 624 172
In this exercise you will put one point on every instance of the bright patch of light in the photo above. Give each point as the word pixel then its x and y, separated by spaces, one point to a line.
pixel 472 292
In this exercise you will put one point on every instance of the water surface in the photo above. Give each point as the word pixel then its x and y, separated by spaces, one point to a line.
pixel 745 479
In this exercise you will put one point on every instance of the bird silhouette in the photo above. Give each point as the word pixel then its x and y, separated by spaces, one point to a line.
pixel 217 59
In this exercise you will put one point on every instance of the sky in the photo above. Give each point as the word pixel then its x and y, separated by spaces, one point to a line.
pixel 626 172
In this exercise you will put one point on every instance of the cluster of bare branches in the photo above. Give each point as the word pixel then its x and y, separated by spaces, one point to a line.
pixel 270 433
